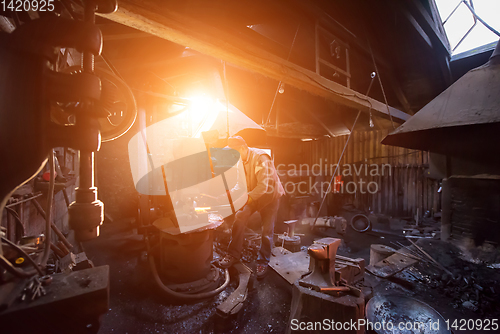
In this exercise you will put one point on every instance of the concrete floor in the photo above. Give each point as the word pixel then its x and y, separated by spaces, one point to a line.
pixel 138 306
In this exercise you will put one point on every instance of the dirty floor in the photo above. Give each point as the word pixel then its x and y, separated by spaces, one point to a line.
pixel 138 306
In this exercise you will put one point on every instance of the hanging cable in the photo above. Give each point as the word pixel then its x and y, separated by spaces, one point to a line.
pixel 16 219
pixel 341 156
pixel 227 96
pixel 279 83
pixel 24 254
pixel 46 252
pixel 13 270
pixel 380 82
pixel 48 212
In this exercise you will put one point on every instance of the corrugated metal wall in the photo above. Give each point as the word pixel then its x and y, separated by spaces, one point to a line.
pixel 401 190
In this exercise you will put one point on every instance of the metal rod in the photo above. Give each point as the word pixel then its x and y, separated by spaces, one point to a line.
pixel 50 202
pixel 412 252
pixel 23 201
pixel 54 227
pixel 66 197
pixel 228 193
pixel 86 169
pixel 87 157
pixel 431 258
pixel 18 221
pixel 279 83
pixel 480 19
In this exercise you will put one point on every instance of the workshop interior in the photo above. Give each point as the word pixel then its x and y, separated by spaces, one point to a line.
pixel 121 191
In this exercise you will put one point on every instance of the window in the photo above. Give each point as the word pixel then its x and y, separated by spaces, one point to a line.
pixel 463 31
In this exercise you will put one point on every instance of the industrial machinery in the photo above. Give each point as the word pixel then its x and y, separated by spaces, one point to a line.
pixel 185 180
pixel 43 106
pixel 181 263
pixel 179 228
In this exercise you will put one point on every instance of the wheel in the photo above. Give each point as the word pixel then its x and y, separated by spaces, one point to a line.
pixel 117 102
pixel 360 223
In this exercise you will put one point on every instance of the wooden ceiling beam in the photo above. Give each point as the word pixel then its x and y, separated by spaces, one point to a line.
pixel 150 17
pixel 428 23
pixel 118 37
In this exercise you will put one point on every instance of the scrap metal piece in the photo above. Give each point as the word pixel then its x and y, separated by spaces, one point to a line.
pixel 71 303
pixel 391 265
pixel 67 263
pixel 290 266
pixel 233 304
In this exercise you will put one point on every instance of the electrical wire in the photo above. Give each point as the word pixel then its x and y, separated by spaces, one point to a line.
pixel 48 212
pixel 46 252
pixel 362 98
pixel 227 97
pixel 380 83
pixel 340 158
pixel 279 83
pixel 335 172
pixel 13 270
pixel 354 94
pixel 16 218
pixel 180 295
pixel 387 157
pixel 24 254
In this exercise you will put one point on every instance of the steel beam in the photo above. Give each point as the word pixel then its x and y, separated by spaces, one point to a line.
pixel 179 28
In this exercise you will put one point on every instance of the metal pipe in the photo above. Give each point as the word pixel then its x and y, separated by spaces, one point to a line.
pixel 56 230
pixel 16 218
pixel 23 201
pixel 87 157
pixel 86 169
pixel 89 17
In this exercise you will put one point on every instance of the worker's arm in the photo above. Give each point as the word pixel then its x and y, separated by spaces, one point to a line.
pixel 239 188
pixel 263 172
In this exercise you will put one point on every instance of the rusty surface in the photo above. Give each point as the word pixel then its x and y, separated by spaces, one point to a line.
pixel 71 302
pixel 234 303
pixel 391 265
pixel 290 266
pixel 186 257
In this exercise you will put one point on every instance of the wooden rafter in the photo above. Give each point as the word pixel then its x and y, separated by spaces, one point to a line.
pixel 179 28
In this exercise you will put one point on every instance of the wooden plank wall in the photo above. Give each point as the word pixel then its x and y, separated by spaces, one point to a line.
pixel 401 190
